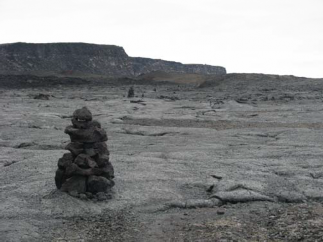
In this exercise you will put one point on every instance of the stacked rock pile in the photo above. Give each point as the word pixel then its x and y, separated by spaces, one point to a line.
pixel 86 171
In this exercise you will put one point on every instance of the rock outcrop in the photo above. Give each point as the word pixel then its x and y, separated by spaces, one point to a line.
pixel 82 58
pixel 86 169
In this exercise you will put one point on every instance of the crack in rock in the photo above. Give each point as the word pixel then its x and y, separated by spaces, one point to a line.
pixel 241 195
pixel 145 133
pixel 194 203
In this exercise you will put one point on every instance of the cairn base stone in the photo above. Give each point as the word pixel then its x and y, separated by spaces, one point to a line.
pixel 97 184
pixel 75 183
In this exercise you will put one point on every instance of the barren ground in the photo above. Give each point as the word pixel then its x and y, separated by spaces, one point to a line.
pixel 236 162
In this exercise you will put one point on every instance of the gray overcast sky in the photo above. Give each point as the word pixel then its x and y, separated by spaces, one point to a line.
pixel 259 36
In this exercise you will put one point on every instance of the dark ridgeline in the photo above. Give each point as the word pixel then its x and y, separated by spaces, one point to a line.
pixel 83 58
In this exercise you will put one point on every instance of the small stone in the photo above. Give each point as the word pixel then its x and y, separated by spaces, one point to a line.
pixel 94 123
pixel 89 149
pixel 79 124
pixel 101 196
pixel 220 212
pixel 101 148
pixel 42 96
pixel 89 195
pixel 60 178
pixel 82 114
pixel 90 152
pixel 75 148
pixel 91 135
pixel 75 183
pixel 85 161
pixel 108 171
pixel 74 193
pixel 97 184
pixel 65 161
pixel 76 170
pixel 103 160
pixel 83 196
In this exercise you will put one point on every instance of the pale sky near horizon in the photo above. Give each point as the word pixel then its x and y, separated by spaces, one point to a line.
pixel 256 36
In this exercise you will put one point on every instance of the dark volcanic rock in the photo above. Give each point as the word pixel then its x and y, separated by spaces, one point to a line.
pixel 42 96
pixel 86 135
pixel 60 178
pixel 75 183
pixel 97 184
pixel 70 58
pixel 65 161
pixel 82 114
pixel 131 92
pixel 108 171
pixel 79 124
pixel 101 148
pixel 75 147
pixel 103 160
pixel 85 161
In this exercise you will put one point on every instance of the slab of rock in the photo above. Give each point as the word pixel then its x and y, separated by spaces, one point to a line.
pixel 75 147
pixel 92 135
pixel 97 184
pixel 75 183
pixel 241 195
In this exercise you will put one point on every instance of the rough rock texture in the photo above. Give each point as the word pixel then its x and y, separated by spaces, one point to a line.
pixel 86 170
pixel 255 136
pixel 69 58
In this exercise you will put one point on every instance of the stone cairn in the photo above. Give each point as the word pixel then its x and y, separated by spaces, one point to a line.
pixel 85 172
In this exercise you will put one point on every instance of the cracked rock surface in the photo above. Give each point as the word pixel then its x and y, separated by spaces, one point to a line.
pixel 211 164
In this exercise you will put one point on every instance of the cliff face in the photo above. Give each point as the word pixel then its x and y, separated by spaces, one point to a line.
pixel 68 58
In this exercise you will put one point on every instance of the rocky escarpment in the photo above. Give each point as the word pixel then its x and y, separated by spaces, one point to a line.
pixel 71 58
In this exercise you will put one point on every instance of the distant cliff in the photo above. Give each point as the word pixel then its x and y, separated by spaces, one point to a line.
pixel 70 58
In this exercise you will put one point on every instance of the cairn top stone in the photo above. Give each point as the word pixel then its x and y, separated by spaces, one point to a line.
pixel 82 114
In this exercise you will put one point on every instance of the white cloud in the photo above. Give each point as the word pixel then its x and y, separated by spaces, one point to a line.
pixel 268 36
